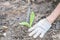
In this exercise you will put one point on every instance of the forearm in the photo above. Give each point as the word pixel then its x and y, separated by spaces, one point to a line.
pixel 51 18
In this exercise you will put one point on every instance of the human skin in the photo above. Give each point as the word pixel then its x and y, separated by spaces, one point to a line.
pixel 37 29
pixel 51 18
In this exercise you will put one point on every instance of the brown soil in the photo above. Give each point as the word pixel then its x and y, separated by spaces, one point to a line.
pixel 15 12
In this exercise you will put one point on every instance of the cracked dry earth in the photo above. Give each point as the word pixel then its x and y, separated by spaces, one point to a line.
pixel 16 11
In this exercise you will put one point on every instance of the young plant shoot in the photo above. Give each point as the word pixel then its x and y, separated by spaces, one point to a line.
pixel 32 16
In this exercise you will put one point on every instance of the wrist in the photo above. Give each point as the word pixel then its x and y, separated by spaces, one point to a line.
pixel 51 18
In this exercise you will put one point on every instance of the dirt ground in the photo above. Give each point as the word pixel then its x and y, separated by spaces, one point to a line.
pixel 16 11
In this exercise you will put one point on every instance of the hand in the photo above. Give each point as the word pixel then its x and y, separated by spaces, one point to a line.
pixel 40 28
pixel 52 17
pixel 43 25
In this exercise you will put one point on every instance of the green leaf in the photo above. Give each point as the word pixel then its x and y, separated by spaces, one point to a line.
pixel 32 16
pixel 25 24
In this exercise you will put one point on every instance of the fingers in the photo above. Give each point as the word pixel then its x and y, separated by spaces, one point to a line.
pixel 42 34
pixel 37 34
pixel 33 32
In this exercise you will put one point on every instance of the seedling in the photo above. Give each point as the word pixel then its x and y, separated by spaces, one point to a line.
pixel 32 16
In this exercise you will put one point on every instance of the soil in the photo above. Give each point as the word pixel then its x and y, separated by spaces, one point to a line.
pixel 16 11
